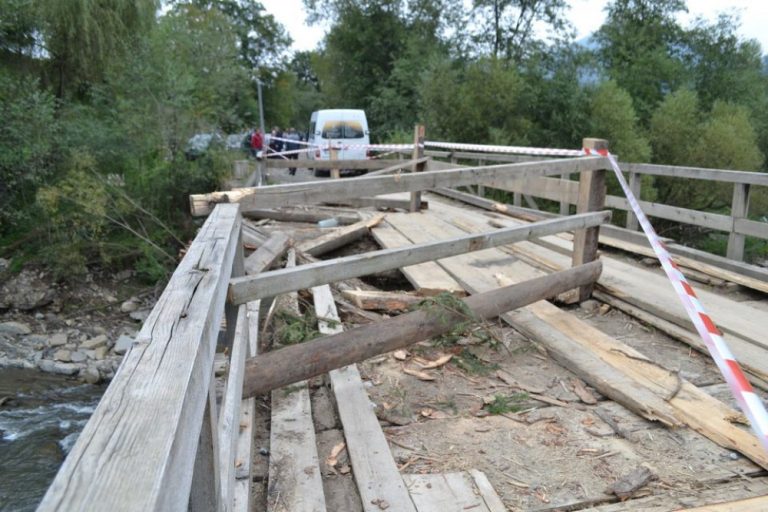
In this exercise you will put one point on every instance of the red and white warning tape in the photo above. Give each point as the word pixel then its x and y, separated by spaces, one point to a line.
pixel 742 390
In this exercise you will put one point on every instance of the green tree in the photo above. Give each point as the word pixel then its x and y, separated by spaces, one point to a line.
pixel 639 46
pixel 675 126
pixel 613 117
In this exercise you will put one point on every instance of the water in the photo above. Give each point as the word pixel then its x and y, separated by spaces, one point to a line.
pixel 38 427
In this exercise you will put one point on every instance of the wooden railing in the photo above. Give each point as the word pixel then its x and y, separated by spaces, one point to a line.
pixel 565 191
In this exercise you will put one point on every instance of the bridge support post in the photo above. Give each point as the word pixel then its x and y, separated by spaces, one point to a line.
pixel 739 210
pixel 418 152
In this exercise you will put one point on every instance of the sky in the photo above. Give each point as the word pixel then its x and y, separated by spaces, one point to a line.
pixel 586 16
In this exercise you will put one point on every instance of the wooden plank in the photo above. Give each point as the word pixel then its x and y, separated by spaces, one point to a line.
pixel 205 493
pixel 268 253
pixel 330 164
pixel 229 417
pixel 295 483
pixel 675 213
pixel 373 467
pixel 426 278
pixel 318 192
pixel 244 451
pixel 758 504
pixel 244 289
pixel 699 173
pixel 418 152
pixel 453 492
pixel 379 202
pixel 691 406
pixel 137 450
pixel 382 301
pixel 301 215
pixel 406 164
pixel 339 237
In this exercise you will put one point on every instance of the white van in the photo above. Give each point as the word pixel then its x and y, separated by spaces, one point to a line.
pixel 344 130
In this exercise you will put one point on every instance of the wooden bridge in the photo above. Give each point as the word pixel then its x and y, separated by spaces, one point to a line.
pixel 170 435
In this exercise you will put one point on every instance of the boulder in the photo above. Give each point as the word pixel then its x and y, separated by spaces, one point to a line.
pixel 130 305
pixel 122 344
pixel 79 356
pixel 15 328
pixel 57 340
pixel 98 341
pixel 57 367
pixel 100 353
pixel 25 291
pixel 63 356
pixel 90 375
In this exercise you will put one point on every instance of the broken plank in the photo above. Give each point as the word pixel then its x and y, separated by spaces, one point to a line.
pixel 295 483
pixel 443 492
pixel 382 301
pixel 267 254
pixel 373 467
pixel 339 237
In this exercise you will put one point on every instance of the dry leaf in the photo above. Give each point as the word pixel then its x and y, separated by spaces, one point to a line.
pixel 335 451
pixel 400 355
pixel 345 469
pixel 440 361
pixel 427 412
pixel 604 309
pixel 419 375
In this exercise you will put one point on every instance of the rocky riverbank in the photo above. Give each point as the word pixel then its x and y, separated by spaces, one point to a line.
pixel 80 329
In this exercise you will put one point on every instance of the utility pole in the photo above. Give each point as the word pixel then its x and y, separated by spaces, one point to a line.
pixel 261 109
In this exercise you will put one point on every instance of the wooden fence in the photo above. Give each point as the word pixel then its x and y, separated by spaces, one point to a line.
pixel 565 191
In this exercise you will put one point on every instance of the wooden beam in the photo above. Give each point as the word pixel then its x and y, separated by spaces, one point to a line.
pixel 757 504
pixel 137 451
pixel 267 254
pixel 379 202
pixel 591 198
pixel 297 215
pixel 699 173
pixel 299 362
pixel 323 191
pixel 339 237
pixel 382 301
pixel 330 164
pixel 272 283
pixel 405 164
pixel 418 152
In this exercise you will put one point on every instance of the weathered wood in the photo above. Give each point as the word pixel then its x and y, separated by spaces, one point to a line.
pixel 418 153
pixel 739 210
pixel 406 164
pixel 205 493
pixel 699 173
pixel 298 215
pixel 244 452
pixel 591 198
pixel 268 253
pixel 295 484
pixel 373 467
pixel 339 237
pixel 316 357
pixel 137 450
pixel 382 301
pixel 379 202
pixel 248 288
pixel 758 504
pixel 427 278
pixel 331 164
pixel 332 190
pixel 335 171
pixel 635 184
pixel 444 492
pixel 230 311
pixel 229 417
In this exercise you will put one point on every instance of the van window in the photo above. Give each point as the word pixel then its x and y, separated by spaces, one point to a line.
pixel 312 129
pixel 343 130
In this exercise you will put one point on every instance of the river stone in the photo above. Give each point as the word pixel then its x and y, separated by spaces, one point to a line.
pixel 130 305
pixel 37 339
pixel 62 355
pixel 57 340
pixel 79 356
pixel 90 375
pixel 122 344
pixel 98 341
pixel 25 291
pixel 15 328
pixel 100 353
pixel 50 366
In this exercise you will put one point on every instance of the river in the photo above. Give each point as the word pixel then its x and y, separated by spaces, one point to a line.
pixel 39 424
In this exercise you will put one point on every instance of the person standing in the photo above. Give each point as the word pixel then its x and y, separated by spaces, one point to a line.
pixel 257 143
pixel 292 145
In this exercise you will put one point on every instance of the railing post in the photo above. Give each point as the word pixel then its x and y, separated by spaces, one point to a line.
pixel 739 210
pixel 418 152
pixel 230 311
pixel 481 188
pixel 591 199
pixel 635 182
pixel 565 207
pixel 205 494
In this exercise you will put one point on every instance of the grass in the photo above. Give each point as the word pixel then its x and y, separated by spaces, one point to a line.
pixel 472 364
pixel 503 404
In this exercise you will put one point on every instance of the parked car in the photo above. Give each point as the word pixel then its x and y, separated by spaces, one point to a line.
pixel 200 143
pixel 343 130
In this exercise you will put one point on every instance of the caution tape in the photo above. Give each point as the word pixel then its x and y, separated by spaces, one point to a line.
pixel 742 390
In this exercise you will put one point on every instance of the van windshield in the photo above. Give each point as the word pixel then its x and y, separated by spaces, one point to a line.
pixel 343 130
